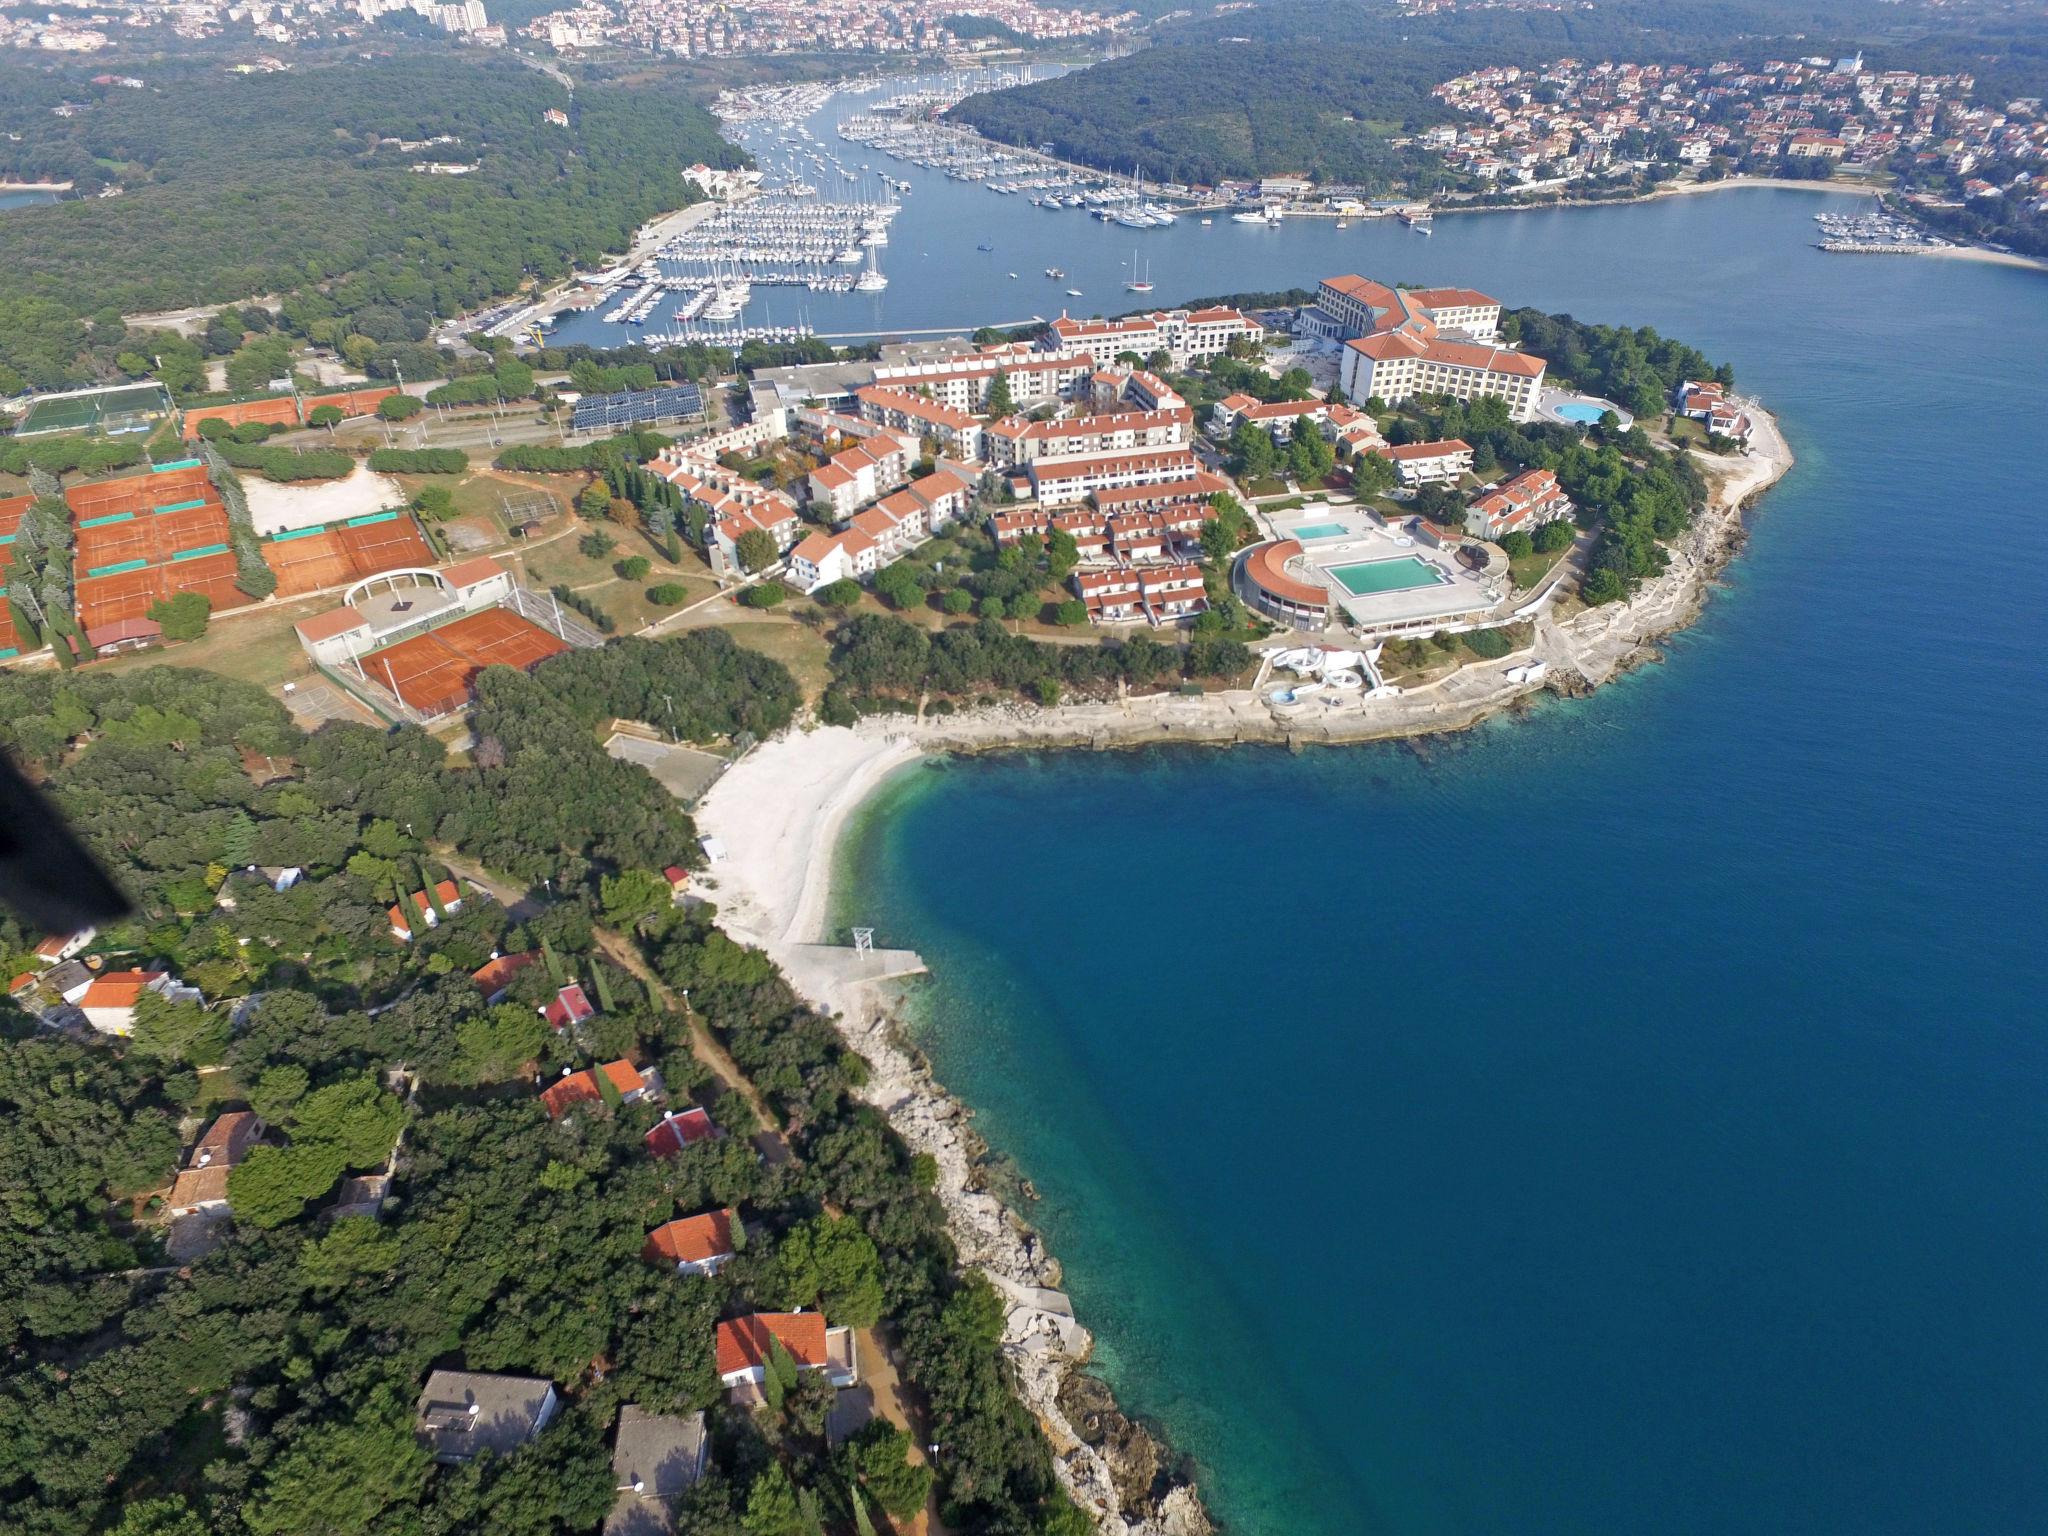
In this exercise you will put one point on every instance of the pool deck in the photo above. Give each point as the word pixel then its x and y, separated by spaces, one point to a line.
pixel 1464 596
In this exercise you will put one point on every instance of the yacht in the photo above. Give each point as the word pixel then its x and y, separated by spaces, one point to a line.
pixel 1253 216
pixel 1073 293
pixel 872 280
pixel 1055 273
pixel 1141 281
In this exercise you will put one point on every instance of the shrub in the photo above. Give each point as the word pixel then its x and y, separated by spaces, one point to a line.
pixel 1518 544
pixel 420 461
pixel 182 616
pixel 843 593
pixel 1552 538
pixel 635 567
pixel 400 407
pixel 668 595
pixel 764 594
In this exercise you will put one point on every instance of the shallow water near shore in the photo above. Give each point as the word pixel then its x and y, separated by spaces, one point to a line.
pixel 1624 1117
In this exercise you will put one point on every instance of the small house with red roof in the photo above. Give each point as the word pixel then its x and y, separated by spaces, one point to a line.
pixel 744 1345
pixel 630 1083
pixel 678 1129
pixel 59 947
pixel 678 879
pixel 568 1007
pixel 202 1184
pixel 109 1002
pixel 695 1245
pixel 494 978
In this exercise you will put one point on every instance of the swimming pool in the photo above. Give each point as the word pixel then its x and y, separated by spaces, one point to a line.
pixel 1579 410
pixel 1316 531
pixel 1374 576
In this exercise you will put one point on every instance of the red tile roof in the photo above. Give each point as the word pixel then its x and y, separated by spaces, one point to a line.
pixel 743 1342
pixel 467 573
pixel 565 1093
pixel 677 1130
pixel 496 975
pixel 690 1239
pixel 326 626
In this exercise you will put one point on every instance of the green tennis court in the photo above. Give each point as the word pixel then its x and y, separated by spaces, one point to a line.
pixel 122 408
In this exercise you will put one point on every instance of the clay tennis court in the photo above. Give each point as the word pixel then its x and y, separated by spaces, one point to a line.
pixel 12 510
pixel 434 672
pixel 128 594
pixel 152 537
pixel 139 493
pixel 10 642
pixel 332 557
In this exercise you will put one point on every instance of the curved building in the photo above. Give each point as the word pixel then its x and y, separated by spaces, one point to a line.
pixel 1263 581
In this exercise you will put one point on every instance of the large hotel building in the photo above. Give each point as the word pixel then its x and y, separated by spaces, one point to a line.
pixel 1400 342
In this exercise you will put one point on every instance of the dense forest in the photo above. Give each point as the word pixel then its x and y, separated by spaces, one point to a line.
pixel 1328 87
pixel 266 1387
pixel 295 183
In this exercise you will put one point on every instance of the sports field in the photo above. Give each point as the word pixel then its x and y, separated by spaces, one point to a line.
pixel 434 672
pixel 124 408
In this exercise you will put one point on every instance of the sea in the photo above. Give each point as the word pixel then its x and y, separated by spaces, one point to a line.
pixel 1630 1115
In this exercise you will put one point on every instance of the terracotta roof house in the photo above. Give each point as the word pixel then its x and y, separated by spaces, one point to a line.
pixel 202 1184
pixel 696 1245
pixel 494 977
pixel 568 1006
pixel 677 1129
pixel 744 1345
pixel 109 1002
pixel 574 1088
pixel 463 1412
pixel 655 1458
pixel 451 902
pixel 62 947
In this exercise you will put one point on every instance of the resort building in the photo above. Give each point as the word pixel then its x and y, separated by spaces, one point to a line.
pixel 1427 463
pixel 1056 480
pixel 1155 594
pixel 964 382
pixel 695 1245
pixel 955 430
pixel 1184 335
pixel 744 1345
pixel 461 1413
pixel 1522 504
pixel 1017 440
pixel 855 476
pixel 873 538
pixel 1328 565
pixel 494 978
pixel 1400 342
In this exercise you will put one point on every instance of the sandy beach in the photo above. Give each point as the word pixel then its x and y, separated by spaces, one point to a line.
pixel 780 812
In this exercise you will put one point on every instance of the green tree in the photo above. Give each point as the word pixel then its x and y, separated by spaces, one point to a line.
pixel 635 567
pixel 182 1032
pixel 328 416
pixel 354 1116
pixel 765 594
pixel 1000 402
pixel 353 1253
pixel 756 550
pixel 271 1185
pixel 182 615
pixel 898 586
pixel 957 601
pixel 830 1261
pixel 595 545
pixel 843 593
pixel 669 594
pixel 595 501
pixel 338 1479
pixel 1072 613
pixel 632 896
pixel 1517 544
pixel 877 1460
pixel 400 407
pixel 1554 537
pixel 772 1506
pixel 494 1045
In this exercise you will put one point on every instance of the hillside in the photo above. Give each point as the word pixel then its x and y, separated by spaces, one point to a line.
pixel 281 183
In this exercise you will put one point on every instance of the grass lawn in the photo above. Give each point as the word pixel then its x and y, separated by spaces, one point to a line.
pixel 261 649
pixel 1530 570
pixel 806 652
pixel 1257 488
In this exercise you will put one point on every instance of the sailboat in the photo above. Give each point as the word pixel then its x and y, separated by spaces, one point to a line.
pixel 872 280
pixel 1140 282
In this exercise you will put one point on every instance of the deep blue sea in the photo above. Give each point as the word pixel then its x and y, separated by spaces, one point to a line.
pixel 1631 1117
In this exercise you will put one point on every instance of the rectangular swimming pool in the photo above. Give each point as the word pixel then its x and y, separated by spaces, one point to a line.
pixel 1374 576
pixel 1316 531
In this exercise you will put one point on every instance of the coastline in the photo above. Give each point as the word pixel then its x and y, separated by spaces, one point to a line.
pixel 780 813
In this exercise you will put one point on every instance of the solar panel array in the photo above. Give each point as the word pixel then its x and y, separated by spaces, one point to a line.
pixel 636 407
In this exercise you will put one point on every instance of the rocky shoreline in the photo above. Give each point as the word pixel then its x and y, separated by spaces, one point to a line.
pixel 779 814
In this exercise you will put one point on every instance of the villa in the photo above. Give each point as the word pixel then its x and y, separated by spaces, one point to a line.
pixel 568 1007
pixel 108 1002
pixel 656 1458
pixel 678 1130
pixel 1710 404
pixel 202 1184
pixel 494 978
pixel 628 1083
pixel 1521 505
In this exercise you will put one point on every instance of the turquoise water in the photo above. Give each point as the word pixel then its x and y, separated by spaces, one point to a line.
pixel 1625 1118
pixel 1578 411
pixel 1318 531
pixel 1386 576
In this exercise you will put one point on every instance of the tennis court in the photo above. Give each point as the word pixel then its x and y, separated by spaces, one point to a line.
pixel 308 560
pixel 434 672
pixel 157 538
pixel 117 595
pixel 138 493
pixel 12 510
pixel 125 408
